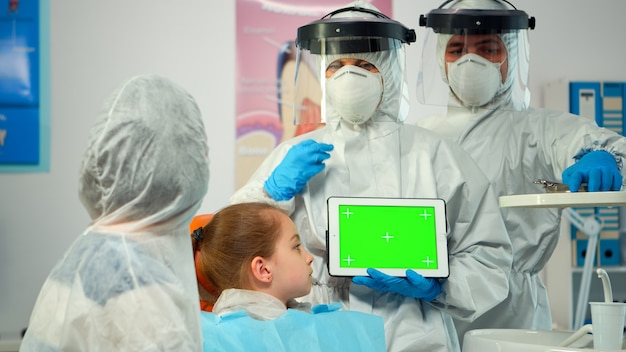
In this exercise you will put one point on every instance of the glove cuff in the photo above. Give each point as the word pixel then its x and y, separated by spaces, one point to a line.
pixel 435 293
pixel 617 155
pixel 274 191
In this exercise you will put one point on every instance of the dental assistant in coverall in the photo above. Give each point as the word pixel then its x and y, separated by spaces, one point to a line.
pixel 128 283
pixel 477 53
pixel 365 150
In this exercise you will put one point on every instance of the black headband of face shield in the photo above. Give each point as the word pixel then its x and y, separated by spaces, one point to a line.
pixel 476 21
pixel 353 35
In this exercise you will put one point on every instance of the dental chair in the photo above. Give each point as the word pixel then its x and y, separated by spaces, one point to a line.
pixel 205 290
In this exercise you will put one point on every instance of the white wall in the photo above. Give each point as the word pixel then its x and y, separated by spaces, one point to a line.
pixel 96 44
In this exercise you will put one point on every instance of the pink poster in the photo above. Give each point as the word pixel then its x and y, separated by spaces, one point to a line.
pixel 266 30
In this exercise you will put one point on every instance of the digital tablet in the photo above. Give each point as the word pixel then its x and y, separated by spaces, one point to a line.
pixel 388 234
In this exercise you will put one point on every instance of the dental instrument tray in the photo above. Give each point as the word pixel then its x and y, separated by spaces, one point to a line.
pixel 387 234
pixel 558 196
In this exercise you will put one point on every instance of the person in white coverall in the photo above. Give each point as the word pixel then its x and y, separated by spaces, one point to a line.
pixel 128 283
pixel 481 59
pixel 366 150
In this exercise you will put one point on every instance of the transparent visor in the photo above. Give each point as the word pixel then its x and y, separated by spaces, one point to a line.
pixel 346 78
pixel 475 71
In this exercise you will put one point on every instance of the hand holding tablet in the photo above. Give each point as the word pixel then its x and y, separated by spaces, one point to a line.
pixel 387 234
pixel 413 285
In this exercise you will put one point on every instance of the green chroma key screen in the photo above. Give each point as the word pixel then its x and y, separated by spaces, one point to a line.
pixel 407 237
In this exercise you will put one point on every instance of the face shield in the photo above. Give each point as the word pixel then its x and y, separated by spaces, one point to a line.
pixel 475 54
pixel 352 62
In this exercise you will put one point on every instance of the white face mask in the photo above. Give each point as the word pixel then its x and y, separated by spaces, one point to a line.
pixel 354 93
pixel 474 79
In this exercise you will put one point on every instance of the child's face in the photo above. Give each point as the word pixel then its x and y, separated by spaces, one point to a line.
pixel 291 263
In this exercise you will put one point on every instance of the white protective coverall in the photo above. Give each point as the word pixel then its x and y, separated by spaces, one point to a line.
pixel 385 158
pixel 128 282
pixel 514 146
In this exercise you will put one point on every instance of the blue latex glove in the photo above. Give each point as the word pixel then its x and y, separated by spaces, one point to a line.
pixel 414 285
pixel 598 169
pixel 303 161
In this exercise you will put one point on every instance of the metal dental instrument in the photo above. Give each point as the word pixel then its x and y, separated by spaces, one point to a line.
pixel 555 187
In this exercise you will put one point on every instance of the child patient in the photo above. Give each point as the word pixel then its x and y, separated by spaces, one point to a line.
pixel 251 255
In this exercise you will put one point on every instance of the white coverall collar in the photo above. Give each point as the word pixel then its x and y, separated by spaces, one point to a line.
pixel 258 305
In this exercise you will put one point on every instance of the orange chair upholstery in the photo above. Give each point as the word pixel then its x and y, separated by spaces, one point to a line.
pixel 204 287
pixel 199 221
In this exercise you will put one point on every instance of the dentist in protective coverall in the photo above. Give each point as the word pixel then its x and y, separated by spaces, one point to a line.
pixel 366 150
pixel 481 60
pixel 128 282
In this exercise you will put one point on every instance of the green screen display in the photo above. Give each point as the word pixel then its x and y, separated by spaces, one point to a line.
pixel 387 237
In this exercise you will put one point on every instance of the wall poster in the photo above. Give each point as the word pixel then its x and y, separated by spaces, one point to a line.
pixel 24 97
pixel 266 30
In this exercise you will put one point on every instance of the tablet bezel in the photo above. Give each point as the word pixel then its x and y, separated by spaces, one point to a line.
pixel 333 236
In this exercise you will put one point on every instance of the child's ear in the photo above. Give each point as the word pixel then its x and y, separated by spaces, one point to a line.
pixel 260 270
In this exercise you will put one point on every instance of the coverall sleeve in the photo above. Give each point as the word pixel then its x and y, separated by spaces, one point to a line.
pixel 566 137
